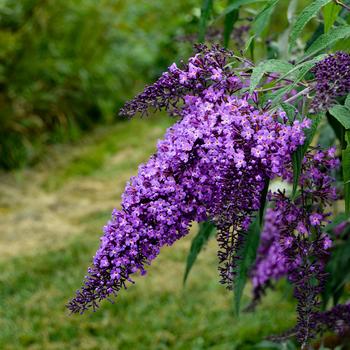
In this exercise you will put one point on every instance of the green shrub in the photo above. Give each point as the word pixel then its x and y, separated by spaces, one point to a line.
pixel 67 65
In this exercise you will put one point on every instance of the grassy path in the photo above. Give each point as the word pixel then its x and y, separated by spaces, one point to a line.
pixel 50 221
pixel 42 207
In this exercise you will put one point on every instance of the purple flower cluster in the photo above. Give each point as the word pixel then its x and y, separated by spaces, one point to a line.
pixel 212 164
pixel 336 319
pixel 207 67
pixel 293 243
pixel 270 264
pixel 332 79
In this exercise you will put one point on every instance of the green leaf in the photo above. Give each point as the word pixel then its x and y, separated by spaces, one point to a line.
pixel 247 252
pixel 321 30
pixel 263 201
pixel 342 114
pixel 305 16
pixel 297 158
pixel 263 17
pixel 310 133
pixel 327 40
pixel 301 64
pixel 347 101
pixel 230 20
pixel 330 14
pixel 338 271
pixel 291 10
pixel 276 96
pixel 338 129
pixel 206 231
pixel 249 44
pixel 276 66
pixel 302 69
pixel 260 23
pixel 346 173
pixel 290 110
pixel 339 218
pixel 247 255
pixel 207 7
pixel 236 5
pixel 299 153
pixel 315 35
pixel 326 136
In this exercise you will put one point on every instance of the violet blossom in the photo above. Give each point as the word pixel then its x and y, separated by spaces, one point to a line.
pixel 293 243
pixel 332 79
pixel 212 164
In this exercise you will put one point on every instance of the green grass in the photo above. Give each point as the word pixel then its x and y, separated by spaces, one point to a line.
pixel 106 142
pixel 155 313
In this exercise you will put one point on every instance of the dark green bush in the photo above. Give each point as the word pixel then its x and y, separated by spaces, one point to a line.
pixel 67 65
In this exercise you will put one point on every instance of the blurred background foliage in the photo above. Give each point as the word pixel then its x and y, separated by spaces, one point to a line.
pixel 67 65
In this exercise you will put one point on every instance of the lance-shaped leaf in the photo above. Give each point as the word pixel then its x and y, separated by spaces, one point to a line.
pixel 247 255
pixel 234 5
pixel 299 153
pixel 347 101
pixel 303 64
pixel 338 271
pixel 263 201
pixel 326 137
pixel 247 252
pixel 346 172
pixel 206 9
pixel 338 129
pixel 297 159
pixel 328 39
pixel 301 70
pixel 261 21
pixel 314 36
pixel 293 4
pixel 250 44
pixel 330 14
pixel 230 20
pixel 263 17
pixel 342 114
pixel 305 16
pixel 310 133
pixel 275 66
pixel 206 231
pixel 336 220
pixel 290 110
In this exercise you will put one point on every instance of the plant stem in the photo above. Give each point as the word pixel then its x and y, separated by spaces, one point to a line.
pixel 338 2
pixel 300 93
pixel 270 88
